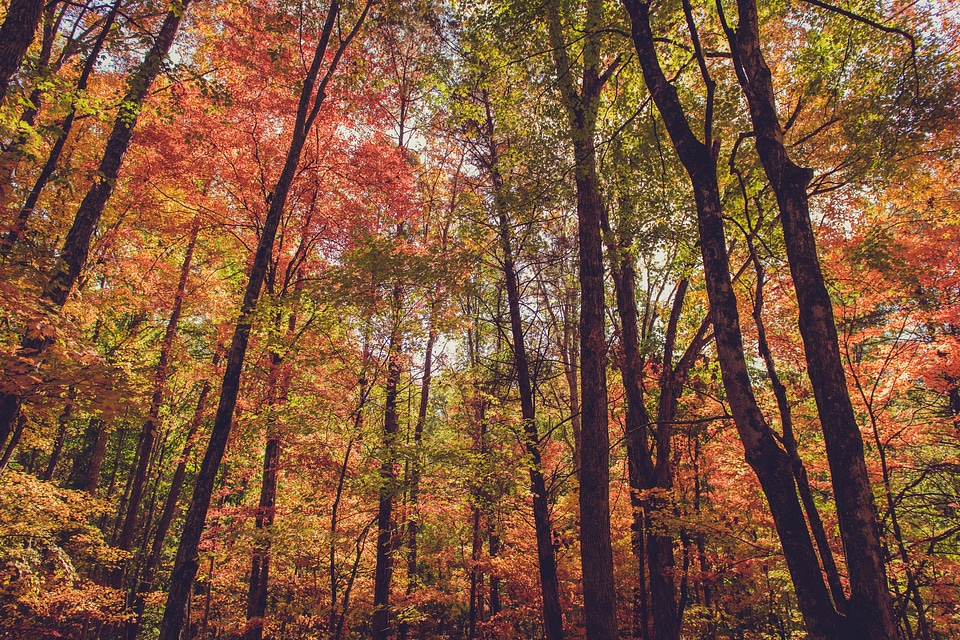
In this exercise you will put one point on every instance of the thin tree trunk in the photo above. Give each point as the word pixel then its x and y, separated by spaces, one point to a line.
pixel 871 608
pixel 266 510
pixel 152 424
pixel 416 470
pixel 380 622
pixel 769 461
pixel 185 567
pixel 168 512
pixel 549 585
pixel 14 441
pixel 58 442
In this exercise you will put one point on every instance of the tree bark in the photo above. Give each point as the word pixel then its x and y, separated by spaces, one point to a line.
pixel 549 585
pixel 871 608
pixel 16 35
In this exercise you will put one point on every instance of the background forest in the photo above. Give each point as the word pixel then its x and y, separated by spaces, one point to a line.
pixel 480 319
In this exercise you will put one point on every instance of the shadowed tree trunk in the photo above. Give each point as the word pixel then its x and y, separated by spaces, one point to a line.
pixel 85 474
pixel 871 607
pixel 581 105
pixel 769 461
pixel 16 34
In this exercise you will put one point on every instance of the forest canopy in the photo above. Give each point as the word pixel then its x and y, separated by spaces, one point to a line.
pixel 493 319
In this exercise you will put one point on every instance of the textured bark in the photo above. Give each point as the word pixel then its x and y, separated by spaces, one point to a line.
pixel 311 98
pixel 16 34
pixel 85 474
pixel 769 461
pixel 871 607
pixel 596 551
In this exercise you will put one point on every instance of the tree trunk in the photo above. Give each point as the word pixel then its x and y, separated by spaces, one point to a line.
pixel 151 426
pixel 14 441
pixel 549 585
pixel 85 474
pixel 185 566
pixel 58 442
pixel 167 514
pixel 380 622
pixel 16 34
pixel 260 561
pixel 596 550
pixel 871 608
pixel 769 461
pixel 416 470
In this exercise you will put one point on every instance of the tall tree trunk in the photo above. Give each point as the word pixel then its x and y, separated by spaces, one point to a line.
pixel 769 461
pixel 279 385
pixel 549 585
pixel 16 34
pixel 185 566
pixel 416 470
pixel 151 426
pixel 76 246
pixel 383 573
pixel 871 607
pixel 596 550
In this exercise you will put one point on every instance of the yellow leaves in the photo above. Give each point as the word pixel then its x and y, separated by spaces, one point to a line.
pixel 46 539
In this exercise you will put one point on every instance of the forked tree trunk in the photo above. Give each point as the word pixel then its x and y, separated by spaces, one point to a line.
pixel 769 461
pixel 871 607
